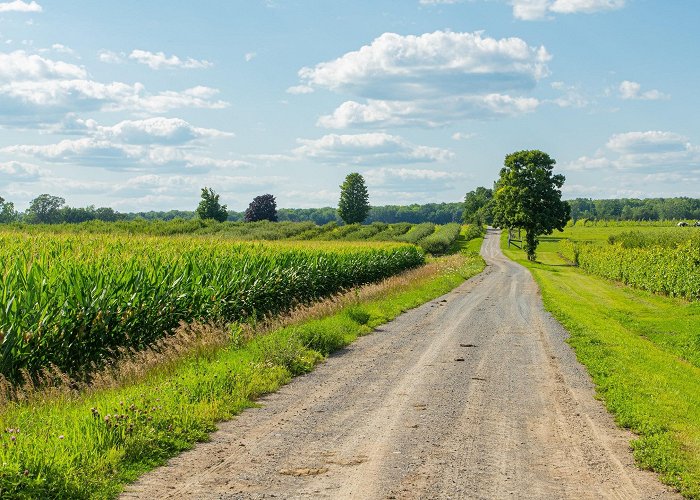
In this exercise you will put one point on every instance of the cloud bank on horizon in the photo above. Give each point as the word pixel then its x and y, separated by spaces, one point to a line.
pixel 424 100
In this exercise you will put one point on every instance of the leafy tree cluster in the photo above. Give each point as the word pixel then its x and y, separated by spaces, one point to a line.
pixel 478 207
pixel 210 208
pixel 318 216
pixel 635 209
pixel 48 209
pixel 262 207
pixel 7 211
pixel 437 213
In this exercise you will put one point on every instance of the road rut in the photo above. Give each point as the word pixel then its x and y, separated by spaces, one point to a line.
pixel 472 395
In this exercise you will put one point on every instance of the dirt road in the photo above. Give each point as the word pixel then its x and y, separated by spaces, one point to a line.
pixel 473 395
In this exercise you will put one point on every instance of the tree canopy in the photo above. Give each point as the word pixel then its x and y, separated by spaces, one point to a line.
pixel 528 196
pixel 7 211
pixel 45 209
pixel 478 206
pixel 263 207
pixel 353 206
pixel 210 208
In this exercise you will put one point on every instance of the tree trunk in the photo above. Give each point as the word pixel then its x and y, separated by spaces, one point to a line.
pixel 531 245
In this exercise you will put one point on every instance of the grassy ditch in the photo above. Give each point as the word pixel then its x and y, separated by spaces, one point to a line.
pixel 643 353
pixel 88 444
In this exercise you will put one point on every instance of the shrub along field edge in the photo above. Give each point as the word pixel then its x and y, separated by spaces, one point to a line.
pixel 642 352
pixel 89 446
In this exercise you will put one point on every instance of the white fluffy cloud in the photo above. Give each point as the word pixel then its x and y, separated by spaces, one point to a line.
pixel 158 130
pixel 158 60
pixel 20 6
pixel 430 113
pixel 86 150
pixel 45 101
pixel 36 89
pixel 633 90
pixel 428 66
pixel 412 180
pixel 530 10
pixel 650 152
pixel 368 149
pixel 585 6
pixel 653 142
pixel 154 143
pixel 429 80
pixel 113 155
pixel 15 171
pixel 195 97
pixel 110 57
pixel 19 65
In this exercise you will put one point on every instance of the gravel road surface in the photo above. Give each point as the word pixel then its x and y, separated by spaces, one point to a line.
pixel 473 395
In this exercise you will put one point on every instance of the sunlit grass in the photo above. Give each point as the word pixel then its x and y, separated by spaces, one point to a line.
pixel 643 353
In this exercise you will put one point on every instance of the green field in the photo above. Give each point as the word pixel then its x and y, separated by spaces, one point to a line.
pixel 663 260
pixel 642 349
pixel 71 300
pixel 248 231
pixel 63 442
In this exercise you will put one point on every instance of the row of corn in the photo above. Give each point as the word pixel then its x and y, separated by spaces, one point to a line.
pixel 666 269
pixel 73 300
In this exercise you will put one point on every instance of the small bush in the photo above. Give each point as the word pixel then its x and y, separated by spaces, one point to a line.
pixel 442 240
pixel 418 232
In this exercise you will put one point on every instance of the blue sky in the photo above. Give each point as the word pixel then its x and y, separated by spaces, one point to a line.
pixel 137 105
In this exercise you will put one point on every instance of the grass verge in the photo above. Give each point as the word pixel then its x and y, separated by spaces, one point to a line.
pixel 89 444
pixel 642 351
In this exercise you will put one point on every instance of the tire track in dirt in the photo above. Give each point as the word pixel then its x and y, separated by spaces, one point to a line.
pixel 472 395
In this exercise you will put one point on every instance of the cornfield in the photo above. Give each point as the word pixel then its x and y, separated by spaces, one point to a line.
pixel 73 300
pixel 662 263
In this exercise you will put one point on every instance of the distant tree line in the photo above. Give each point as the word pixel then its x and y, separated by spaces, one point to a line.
pixel 47 209
pixel 477 208
pixel 437 213
pixel 635 209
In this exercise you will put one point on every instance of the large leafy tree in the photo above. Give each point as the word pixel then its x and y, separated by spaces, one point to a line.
pixel 263 207
pixel 478 206
pixel 353 206
pixel 210 208
pixel 528 196
pixel 45 209
pixel 7 211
